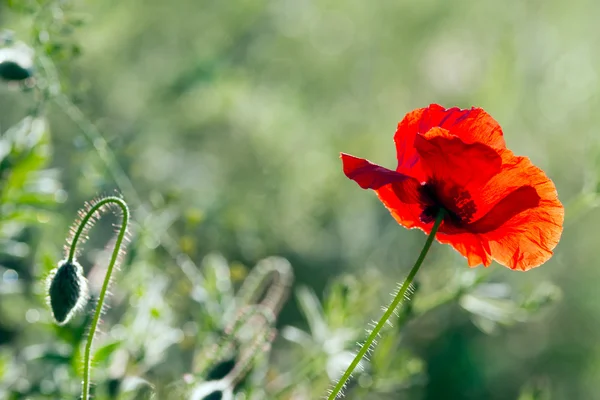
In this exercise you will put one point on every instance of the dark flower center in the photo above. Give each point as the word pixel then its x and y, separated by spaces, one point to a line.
pixel 457 203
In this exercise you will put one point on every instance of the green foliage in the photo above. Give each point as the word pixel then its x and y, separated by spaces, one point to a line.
pixel 221 126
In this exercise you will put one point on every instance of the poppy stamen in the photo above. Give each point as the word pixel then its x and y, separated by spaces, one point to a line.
pixel 457 203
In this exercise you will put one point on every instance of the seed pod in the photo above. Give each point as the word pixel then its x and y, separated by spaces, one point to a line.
pixel 67 290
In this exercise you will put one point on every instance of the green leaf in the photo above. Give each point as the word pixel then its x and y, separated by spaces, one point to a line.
pixel 103 353
pixel 312 310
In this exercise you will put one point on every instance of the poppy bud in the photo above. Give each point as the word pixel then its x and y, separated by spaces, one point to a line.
pixel 16 63
pixel 67 290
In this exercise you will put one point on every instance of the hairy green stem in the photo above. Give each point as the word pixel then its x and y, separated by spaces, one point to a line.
pixel 390 310
pixel 113 260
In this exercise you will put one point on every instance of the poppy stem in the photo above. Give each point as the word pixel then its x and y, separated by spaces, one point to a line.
pixel 337 390
pixel 89 216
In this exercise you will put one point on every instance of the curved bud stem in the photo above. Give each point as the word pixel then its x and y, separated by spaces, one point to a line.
pixel 267 284
pixel 79 233
pixel 337 390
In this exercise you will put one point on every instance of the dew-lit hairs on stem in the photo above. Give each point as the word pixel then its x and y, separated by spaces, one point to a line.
pixel 79 234
pixel 249 330
pixel 248 349
pixel 260 344
pixel 404 290
pixel 268 284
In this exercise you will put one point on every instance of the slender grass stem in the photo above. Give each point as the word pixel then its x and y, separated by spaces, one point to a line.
pixel 337 390
pixel 113 261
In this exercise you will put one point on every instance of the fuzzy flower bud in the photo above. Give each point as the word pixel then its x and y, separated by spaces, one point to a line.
pixel 67 290
pixel 16 63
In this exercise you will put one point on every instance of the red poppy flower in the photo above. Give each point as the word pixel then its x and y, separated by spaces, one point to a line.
pixel 498 206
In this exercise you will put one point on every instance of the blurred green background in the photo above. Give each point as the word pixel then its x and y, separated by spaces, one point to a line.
pixel 224 121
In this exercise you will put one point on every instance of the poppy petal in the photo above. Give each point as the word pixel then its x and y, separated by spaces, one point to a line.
pixel 398 192
pixel 473 247
pixel 515 215
pixel 446 157
pixel 369 175
pixel 472 126
pixel 531 212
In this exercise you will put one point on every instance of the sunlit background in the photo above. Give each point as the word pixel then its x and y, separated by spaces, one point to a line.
pixel 221 124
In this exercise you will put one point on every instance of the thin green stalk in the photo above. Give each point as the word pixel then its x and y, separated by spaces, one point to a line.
pixel 115 255
pixel 390 310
